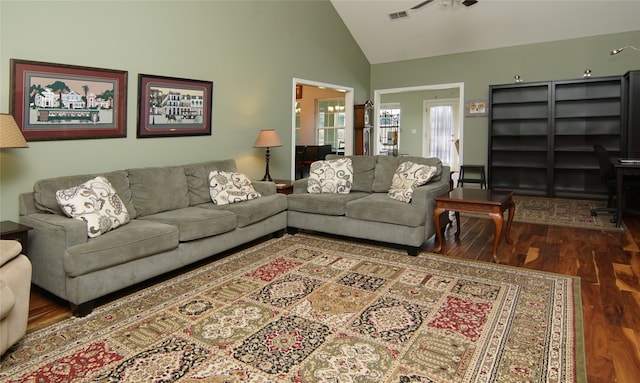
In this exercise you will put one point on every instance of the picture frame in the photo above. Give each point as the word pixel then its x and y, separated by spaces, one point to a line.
pixel 477 108
pixel 170 106
pixel 64 102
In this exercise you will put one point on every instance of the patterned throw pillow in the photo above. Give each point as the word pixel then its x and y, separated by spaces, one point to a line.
pixel 331 176
pixel 407 177
pixel 96 203
pixel 230 187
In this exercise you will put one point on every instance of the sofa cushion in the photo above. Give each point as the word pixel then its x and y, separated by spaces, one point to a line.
pixel 387 165
pixel 363 171
pixel 407 177
pixel 230 187
pixel 327 204
pixel 198 178
pixel 45 190
pixel 96 203
pixel 256 210
pixel 331 176
pixel 155 190
pixel 378 207
pixel 194 223
pixel 137 239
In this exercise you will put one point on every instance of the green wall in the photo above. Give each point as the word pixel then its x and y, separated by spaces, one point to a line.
pixel 558 60
pixel 251 50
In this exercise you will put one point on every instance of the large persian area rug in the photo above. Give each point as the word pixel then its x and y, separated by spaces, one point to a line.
pixel 560 212
pixel 304 308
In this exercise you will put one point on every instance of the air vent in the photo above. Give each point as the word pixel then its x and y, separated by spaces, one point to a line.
pixel 398 15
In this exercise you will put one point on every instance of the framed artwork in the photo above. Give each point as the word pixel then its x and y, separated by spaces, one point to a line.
pixel 170 106
pixel 476 108
pixel 64 102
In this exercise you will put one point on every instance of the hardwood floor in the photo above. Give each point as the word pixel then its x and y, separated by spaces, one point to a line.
pixel 608 264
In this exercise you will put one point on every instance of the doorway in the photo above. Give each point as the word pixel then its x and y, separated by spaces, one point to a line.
pixel 305 115
pixel 441 131
pixel 409 128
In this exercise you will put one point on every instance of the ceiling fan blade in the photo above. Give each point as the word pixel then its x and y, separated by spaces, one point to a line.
pixel 418 6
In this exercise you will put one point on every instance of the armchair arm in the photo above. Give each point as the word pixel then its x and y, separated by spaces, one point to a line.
pixel 8 300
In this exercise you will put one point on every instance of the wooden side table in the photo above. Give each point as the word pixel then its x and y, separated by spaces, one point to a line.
pixel 492 203
pixel 15 231
pixel 284 186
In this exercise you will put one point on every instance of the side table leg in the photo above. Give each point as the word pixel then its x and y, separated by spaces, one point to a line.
pixel 457 214
pixel 436 221
pixel 512 212
pixel 498 220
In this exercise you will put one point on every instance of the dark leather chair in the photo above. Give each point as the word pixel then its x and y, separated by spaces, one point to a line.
pixel 323 150
pixel 608 175
pixel 313 153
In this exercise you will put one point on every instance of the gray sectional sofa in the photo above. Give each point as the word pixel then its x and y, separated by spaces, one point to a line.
pixel 173 223
pixel 367 212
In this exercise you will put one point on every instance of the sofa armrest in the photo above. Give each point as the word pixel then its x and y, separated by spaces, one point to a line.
pixel 264 187
pixel 49 240
pixel 424 195
pixel 55 229
pixel 300 186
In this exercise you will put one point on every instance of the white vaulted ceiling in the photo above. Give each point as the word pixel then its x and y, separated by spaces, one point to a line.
pixel 435 30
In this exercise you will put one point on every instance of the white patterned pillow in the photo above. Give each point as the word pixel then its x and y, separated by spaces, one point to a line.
pixel 96 203
pixel 407 177
pixel 230 187
pixel 331 176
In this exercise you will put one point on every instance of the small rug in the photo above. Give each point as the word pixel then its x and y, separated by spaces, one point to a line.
pixel 559 212
pixel 303 308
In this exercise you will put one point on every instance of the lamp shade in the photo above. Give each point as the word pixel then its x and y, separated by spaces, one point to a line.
pixel 10 135
pixel 268 138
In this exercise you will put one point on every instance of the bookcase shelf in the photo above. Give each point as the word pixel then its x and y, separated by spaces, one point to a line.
pixel 541 135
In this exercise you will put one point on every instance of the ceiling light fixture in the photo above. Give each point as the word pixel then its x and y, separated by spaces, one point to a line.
pixel 451 3
pixel 616 51
pixel 445 3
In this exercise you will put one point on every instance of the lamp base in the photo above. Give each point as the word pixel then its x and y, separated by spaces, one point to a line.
pixel 267 176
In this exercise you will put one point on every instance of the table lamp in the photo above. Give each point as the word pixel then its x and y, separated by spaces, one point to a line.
pixel 10 135
pixel 268 138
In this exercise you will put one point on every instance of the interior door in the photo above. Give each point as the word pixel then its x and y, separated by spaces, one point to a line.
pixel 442 131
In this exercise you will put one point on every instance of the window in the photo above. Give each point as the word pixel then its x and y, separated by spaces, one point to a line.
pixel 389 135
pixel 330 127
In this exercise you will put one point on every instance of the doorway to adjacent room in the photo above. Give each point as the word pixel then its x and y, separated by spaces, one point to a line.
pixel 322 114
